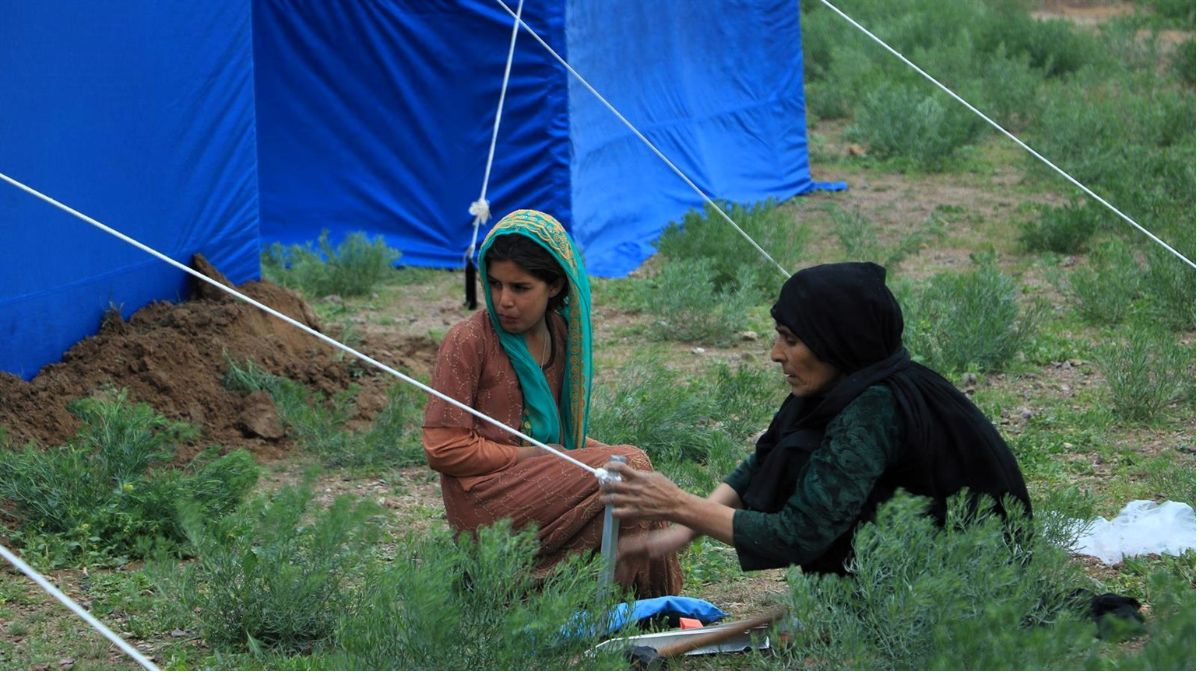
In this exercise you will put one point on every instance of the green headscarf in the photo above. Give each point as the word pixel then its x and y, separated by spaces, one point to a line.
pixel 564 423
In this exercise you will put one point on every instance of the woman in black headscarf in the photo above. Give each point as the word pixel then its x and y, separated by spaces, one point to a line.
pixel 862 420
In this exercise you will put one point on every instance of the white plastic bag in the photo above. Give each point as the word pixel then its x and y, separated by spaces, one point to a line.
pixel 1141 527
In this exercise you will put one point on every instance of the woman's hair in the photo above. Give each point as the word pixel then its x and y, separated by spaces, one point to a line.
pixel 534 259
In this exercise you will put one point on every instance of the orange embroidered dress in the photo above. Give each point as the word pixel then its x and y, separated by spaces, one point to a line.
pixel 482 479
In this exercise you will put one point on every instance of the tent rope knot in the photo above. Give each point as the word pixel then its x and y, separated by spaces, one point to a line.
pixel 482 212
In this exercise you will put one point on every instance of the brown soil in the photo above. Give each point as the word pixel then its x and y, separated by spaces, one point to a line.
pixel 173 357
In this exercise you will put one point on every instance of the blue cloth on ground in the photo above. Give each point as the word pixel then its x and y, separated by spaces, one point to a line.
pixel 668 605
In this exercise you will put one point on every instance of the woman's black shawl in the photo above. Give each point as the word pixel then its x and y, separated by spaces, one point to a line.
pixel 845 314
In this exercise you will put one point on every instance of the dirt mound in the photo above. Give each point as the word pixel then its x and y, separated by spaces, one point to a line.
pixel 173 357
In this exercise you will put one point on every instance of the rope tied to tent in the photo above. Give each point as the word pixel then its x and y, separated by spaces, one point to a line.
pixel 480 208
pixel 642 137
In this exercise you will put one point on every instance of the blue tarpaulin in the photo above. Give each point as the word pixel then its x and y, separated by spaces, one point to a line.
pixel 140 115
pixel 377 116
pixel 198 127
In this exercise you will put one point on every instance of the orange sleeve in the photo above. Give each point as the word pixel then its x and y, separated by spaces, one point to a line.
pixel 452 446
pixel 455 451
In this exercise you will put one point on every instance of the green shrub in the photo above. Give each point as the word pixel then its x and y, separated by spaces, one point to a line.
pixel 1106 289
pixel 1181 13
pixel 1055 48
pixel 1183 63
pixel 695 429
pixel 274 574
pixel 859 237
pixel 474 604
pixel 734 264
pixel 962 598
pixel 1145 373
pixel 968 321
pixel 686 305
pixel 1145 165
pixel 921 128
pixel 1170 285
pixel 354 268
pixel 1062 229
pixel 107 494
pixel 320 426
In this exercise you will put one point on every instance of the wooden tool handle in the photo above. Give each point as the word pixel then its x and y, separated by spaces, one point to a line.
pixel 722 633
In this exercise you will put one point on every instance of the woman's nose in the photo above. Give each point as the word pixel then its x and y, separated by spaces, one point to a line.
pixel 777 354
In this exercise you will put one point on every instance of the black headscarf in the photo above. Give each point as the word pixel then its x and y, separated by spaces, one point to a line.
pixel 845 314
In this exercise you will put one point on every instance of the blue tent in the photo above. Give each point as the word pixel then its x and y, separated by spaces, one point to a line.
pixel 217 127
pixel 377 116
pixel 140 115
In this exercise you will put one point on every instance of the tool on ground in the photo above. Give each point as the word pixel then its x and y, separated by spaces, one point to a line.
pixel 608 536
pixel 736 635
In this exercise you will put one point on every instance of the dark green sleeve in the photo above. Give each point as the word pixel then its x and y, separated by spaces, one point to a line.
pixel 859 445
pixel 739 480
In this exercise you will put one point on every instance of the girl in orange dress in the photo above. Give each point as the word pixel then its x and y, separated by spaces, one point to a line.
pixel 526 361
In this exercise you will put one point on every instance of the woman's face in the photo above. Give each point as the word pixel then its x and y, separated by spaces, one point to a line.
pixel 806 374
pixel 518 297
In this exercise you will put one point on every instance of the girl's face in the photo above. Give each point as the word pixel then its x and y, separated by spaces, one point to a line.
pixel 806 374
pixel 518 297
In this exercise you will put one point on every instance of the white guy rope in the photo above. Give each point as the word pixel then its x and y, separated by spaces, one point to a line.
pixel 642 138
pixel 480 207
pixel 74 607
pixel 1004 131
pixel 598 473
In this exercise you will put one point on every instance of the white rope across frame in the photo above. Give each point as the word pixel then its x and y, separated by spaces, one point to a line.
pixel 1011 136
pixel 70 604
pixel 599 473
pixel 640 136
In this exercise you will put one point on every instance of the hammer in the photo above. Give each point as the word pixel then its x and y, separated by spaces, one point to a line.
pixel 649 658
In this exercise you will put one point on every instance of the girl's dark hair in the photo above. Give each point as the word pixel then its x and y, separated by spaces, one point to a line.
pixel 531 257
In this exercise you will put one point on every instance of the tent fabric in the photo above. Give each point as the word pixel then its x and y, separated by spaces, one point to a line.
pixel 194 127
pixel 377 116
pixel 139 114
pixel 716 86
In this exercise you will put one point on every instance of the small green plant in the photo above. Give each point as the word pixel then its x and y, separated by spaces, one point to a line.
pixel 695 429
pixel 732 263
pixel 475 603
pixel 1170 285
pixel 1106 290
pixel 923 129
pixel 274 574
pixel 354 268
pixel 1061 229
pixel 686 304
pixel 1182 13
pixel 860 237
pixel 968 321
pixel 1146 373
pixel 108 494
pixel 321 426
pixel 1183 63
pixel 962 598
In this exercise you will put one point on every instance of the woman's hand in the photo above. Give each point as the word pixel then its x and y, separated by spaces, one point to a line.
pixel 643 494
pixel 651 495
pixel 654 544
